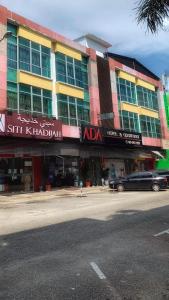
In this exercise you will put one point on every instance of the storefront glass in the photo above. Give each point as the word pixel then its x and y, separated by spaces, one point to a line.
pixel 16 174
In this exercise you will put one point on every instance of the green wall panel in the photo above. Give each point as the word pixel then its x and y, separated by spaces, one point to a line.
pixel 12 75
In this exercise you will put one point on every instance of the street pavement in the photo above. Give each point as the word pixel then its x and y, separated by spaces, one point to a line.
pixel 103 246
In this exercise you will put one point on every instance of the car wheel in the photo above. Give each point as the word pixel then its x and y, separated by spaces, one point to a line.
pixel 120 188
pixel 155 187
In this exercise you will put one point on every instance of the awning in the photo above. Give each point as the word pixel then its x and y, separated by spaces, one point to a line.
pixel 158 154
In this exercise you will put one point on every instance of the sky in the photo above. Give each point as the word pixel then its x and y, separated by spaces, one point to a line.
pixel 112 20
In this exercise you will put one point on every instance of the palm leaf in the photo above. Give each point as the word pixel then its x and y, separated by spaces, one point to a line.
pixel 153 13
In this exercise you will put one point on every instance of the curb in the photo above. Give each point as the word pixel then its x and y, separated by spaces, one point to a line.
pixel 48 196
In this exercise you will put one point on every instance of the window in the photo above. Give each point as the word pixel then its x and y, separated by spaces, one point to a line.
pixel 24 54
pixel 150 127
pixel 147 98
pixel 37 100
pixel 24 98
pixel 73 111
pixel 12 53
pixel 129 121
pixel 126 90
pixel 12 96
pixel 34 57
pixel 72 71
pixel 30 99
pixel 47 102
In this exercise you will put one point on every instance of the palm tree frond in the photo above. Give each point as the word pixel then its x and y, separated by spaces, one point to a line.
pixel 153 13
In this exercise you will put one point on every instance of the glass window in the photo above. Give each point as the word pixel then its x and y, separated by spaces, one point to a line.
pixel 61 71
pixel 35 46
pixel 147 98
pixel 63 112
pixel 150 127
pixel 24 42
pixel 12 28
pixel 47 102
pixel 45 65
pixel 129 121
pixel 71 71
pixel 31 99
pixel 37 104
pixel 24 58
pixel 36 62
pixel 73 111
pixel 12 47
pixel 34 58
pixel 12 56
pixel 24 102
pixel 12 96
pixel 126 90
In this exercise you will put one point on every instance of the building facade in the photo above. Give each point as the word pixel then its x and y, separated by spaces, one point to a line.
pixel 68 110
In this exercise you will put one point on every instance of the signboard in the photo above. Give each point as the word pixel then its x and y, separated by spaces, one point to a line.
pixel 93 134
pixel 27 126
pixel 123 137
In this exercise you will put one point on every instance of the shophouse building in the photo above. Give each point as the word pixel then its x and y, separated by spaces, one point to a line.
pixel 131 100
pixel 47 92
pixel 70 110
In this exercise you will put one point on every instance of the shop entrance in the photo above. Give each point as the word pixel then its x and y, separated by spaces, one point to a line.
pixel 16 174
pixel 60 171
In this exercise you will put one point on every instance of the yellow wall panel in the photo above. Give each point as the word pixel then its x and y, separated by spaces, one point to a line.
pixel 127 76
pixel 68 51
pixel 145 84
pixel 34 37
pixel 139 110
pixel 130 107
pixel 69 90
pixel 149 113
pixel 34 81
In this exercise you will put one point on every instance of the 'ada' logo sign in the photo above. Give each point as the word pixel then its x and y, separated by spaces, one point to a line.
pixel 91 134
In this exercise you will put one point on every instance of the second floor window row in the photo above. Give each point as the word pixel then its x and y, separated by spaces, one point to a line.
pixel 131 93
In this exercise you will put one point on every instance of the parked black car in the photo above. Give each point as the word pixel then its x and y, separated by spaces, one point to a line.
pixel 140 181
pixel 164 173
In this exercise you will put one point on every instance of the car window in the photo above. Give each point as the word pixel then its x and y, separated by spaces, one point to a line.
pixel 141 175
pixel 146 175
pixel 163 173
pixel 132 176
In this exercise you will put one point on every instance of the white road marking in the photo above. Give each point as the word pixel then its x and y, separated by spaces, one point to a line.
pixel 162 232
pixel 97 270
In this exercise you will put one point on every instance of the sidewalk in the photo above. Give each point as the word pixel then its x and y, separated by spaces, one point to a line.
pixel 57 193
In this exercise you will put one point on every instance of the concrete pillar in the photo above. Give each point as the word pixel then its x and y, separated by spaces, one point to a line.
pixel 93 89
pixel 115 103
pixel 53 76
pixel 3 68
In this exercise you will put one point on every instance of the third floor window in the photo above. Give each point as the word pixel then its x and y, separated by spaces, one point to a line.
pixel 71 71
pixel 34 58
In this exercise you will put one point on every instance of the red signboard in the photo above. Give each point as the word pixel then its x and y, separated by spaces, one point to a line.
pixel 91 134
pixel 27 126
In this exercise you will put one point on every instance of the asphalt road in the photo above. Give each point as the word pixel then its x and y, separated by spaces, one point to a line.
pixel 100 247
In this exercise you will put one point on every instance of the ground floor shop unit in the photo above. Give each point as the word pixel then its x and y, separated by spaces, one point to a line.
pixel 30 165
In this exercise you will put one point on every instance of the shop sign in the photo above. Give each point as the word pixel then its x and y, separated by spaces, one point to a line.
pixel 123 137
pixel 27 126
pixel 95 134
pixel 92 134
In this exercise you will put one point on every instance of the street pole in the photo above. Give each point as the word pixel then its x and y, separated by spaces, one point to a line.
pixel 6 35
